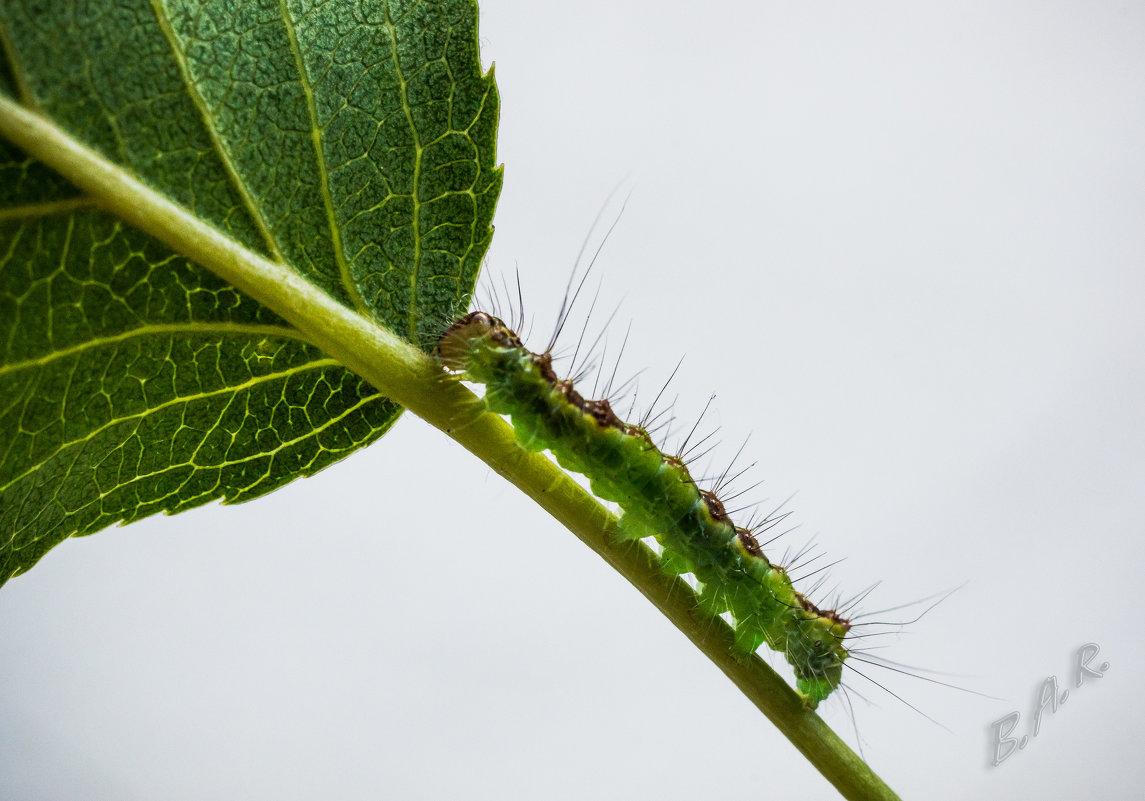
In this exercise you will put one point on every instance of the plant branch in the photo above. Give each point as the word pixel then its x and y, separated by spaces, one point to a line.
pixel 414 380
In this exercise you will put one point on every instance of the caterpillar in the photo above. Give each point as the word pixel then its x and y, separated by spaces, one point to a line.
pixel 657 496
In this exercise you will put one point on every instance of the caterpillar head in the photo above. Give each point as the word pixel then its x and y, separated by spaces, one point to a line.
pixel 455 345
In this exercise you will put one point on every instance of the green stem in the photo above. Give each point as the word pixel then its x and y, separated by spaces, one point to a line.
pixel 409 377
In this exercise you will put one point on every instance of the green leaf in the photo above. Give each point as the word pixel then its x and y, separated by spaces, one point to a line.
pixel 353 142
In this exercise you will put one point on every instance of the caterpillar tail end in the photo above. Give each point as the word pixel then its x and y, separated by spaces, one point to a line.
pixel 811 694
pixel 814 689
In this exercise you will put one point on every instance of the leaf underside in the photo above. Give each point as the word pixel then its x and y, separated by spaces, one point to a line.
pixel 353 141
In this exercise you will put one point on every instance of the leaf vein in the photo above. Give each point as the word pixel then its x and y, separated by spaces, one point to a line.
pixel 23 91
pixel 180 56
pixel 419 152
pixel 269 455
pixel 280 331
pixel 253 382
pixel 29 211
pixel 320 159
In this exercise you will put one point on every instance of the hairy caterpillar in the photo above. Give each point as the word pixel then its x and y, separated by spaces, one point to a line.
pixel 657 496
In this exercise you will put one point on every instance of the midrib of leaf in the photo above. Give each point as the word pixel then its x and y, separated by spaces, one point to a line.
pixel 277 331
pixel 320 160
pixel 419 151
pixel 208 121
pixel 182 399
pixel 411 378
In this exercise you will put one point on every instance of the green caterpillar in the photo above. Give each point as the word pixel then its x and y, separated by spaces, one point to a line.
pixel 657 497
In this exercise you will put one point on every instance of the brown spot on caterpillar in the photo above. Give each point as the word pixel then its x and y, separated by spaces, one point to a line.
pixel 829 614
pixel 715 507
pixel 749 542
pixel 599 410
pixel 544 362
pixel 566 389
pixel 633 430
pixel 602 412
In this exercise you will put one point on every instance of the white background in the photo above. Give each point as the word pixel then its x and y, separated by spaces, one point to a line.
pixel 903 243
